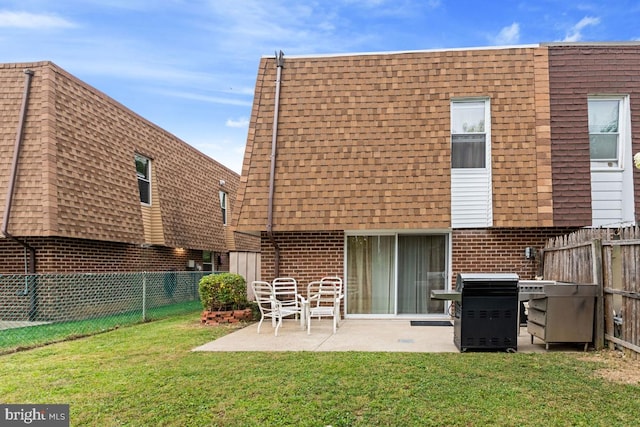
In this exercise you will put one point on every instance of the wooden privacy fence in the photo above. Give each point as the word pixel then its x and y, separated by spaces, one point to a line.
pixel 609 258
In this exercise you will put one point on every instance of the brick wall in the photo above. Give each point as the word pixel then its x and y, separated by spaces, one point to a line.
pixel 499 250
pixel 311 255
pixel 64 255
pixel 304 256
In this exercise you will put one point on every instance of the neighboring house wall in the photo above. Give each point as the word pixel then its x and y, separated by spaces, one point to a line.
pixel 77 178
pixel 32 201
pixel 66 255
pixel 575 73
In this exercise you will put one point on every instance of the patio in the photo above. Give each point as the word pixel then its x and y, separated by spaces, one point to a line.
pixel 357 335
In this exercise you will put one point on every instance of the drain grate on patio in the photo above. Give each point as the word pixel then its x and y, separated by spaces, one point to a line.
pixel 431 323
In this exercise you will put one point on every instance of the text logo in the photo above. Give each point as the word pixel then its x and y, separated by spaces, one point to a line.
pixel 34 415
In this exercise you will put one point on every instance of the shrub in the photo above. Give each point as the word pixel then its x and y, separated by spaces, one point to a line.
pixel 225 291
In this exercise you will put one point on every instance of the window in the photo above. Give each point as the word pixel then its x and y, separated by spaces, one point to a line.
pixel 604 131
pixel 143 169
pixel 207 261
pixel 469 134
pixel 223 206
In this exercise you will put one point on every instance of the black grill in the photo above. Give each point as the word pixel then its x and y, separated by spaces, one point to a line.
pixel 486 317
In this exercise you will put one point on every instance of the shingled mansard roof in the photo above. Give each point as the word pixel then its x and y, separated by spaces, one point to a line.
pixel 76 173
pixel 364 141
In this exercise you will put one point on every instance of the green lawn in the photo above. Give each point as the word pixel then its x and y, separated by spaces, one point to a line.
pixel 145 375
pixel 34 336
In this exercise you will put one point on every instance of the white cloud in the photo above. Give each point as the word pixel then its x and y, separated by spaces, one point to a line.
pixel 243 122
pixel 204 98
pixel 372 4
pixel 9 19
pixel 575 33
pixel 257 27
pixel 127 65
pixel 508 35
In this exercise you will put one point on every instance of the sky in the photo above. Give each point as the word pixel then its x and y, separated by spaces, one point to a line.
pixel 190 66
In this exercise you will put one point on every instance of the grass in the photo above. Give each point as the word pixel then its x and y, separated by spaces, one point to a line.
pixel 34 336
pixel 146 375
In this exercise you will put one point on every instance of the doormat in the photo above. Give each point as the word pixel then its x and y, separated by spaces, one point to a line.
pixel 431 323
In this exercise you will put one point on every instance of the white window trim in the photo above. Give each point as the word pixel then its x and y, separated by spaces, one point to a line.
pixel 487 128
pixel 482 213
pixel 624 132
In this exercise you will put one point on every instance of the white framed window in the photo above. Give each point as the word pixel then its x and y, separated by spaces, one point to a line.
pixel 612 199
pixel 223 207
pixel 470 122
pixel 607 127
pixel 143 170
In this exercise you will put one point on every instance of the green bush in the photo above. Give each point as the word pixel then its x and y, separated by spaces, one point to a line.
pixel 225 291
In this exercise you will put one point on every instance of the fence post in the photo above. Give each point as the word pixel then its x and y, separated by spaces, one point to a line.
pixel 596 256
pixel 144 296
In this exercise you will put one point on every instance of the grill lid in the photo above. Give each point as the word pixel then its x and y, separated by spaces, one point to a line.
pixel 484 280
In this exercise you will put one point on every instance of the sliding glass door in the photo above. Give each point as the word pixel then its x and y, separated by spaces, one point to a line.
pixel 370 273
pixel 395 274
pixel 421 269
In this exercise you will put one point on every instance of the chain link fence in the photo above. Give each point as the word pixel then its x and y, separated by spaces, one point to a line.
pixel 37 309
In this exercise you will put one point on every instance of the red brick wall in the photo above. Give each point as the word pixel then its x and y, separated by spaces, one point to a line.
pixel 304 256
pixel 64 255
pixel 575 72
pixel 499 250
pixel 311 255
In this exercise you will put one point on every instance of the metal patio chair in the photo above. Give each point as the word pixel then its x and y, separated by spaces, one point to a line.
pixel 337 280
pixel 323 300
pixel 285 290
pixel 269 306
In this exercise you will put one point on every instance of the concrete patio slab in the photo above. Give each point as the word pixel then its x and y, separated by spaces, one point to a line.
pixel 356 335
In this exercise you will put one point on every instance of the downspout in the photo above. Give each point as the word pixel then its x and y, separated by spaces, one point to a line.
pixel 10 190
pixel 272 174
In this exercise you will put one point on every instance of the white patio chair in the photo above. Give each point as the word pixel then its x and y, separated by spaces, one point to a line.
pixel 323 299
pixel 338 282
pixel 267 303
pixel 285 290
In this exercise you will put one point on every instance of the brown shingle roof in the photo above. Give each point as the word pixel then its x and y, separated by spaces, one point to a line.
pixel 363 140
pixel 77 174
